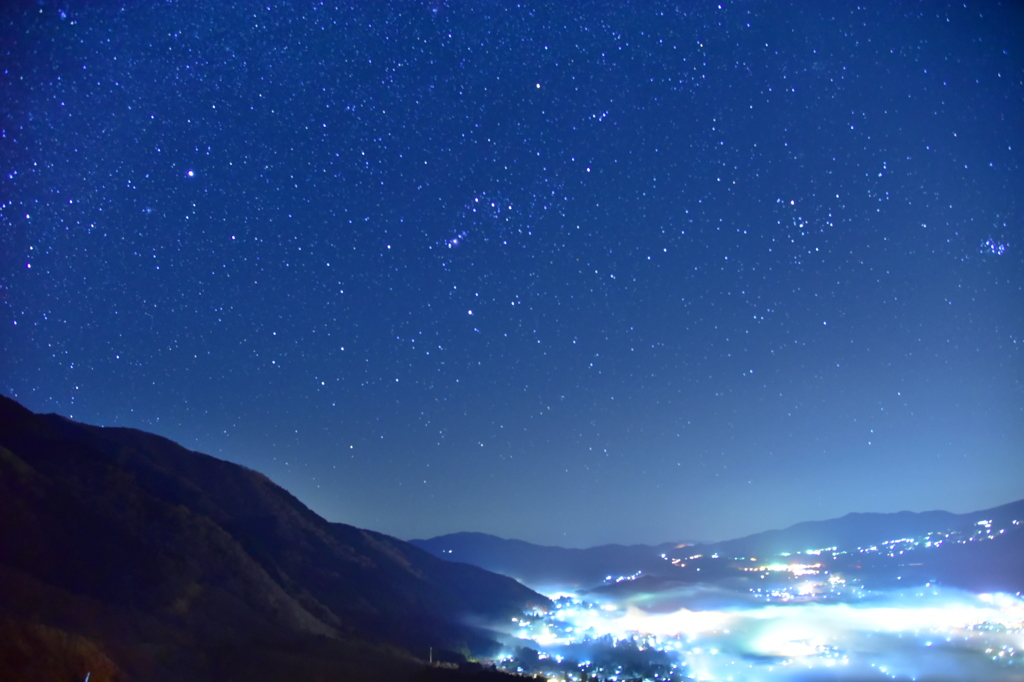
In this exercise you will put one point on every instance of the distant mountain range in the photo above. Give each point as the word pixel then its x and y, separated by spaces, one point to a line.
pixel 955 549
pixel 126 556
pixel 544 567
pixel 863 530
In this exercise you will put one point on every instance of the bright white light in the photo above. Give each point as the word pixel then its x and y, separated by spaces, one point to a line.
pixel 774 641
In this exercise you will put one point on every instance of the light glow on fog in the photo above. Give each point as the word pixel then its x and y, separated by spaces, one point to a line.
pixel 928 633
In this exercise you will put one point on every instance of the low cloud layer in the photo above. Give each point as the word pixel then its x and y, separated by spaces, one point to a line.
pixel 924 634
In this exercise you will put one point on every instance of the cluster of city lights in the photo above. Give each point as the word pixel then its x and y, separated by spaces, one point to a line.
pixel 799 619
pixel 980 636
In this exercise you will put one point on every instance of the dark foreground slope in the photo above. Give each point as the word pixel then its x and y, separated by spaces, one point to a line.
pixel 125 555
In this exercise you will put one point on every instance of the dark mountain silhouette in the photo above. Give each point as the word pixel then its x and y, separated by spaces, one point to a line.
pixel 981 551
pixel 859 530
pixel 543 566
pixel 987 565
pixel 128 556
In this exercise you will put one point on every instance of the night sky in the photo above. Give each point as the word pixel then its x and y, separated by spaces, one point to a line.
pixel 573 273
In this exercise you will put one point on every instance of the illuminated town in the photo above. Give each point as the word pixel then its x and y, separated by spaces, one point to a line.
pixel 802 616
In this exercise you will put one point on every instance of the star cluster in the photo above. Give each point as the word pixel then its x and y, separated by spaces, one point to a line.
pixel 573 273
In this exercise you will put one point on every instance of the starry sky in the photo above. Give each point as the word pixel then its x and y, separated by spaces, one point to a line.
pixel 573 273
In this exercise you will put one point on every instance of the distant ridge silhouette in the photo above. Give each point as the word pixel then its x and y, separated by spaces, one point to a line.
pixel 983 565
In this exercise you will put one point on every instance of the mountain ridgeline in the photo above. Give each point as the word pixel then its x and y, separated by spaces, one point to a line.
pixel 127 556
pixel 547 567
pixel 981 550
